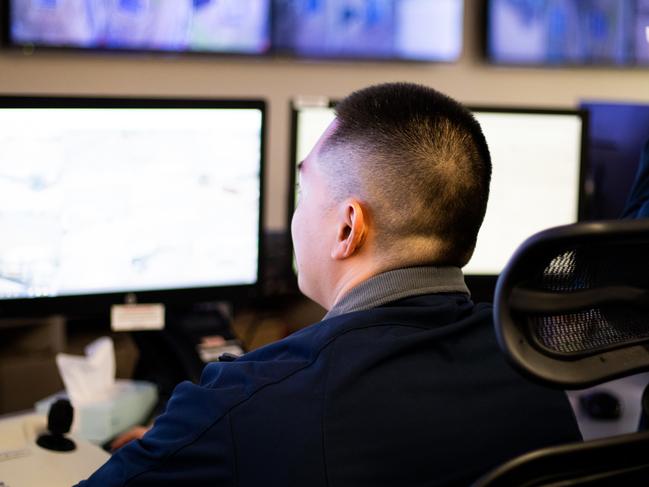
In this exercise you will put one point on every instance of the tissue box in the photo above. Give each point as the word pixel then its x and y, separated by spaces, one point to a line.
pixel 130 404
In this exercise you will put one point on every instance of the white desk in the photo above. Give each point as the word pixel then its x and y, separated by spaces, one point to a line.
pixel 24 464
pixel 629 392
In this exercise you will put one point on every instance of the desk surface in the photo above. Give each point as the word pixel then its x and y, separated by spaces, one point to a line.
pixel 24 464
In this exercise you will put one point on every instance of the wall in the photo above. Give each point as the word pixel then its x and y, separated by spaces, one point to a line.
pixel 471 81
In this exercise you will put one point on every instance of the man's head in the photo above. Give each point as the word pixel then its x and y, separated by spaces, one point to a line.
pixel 400 178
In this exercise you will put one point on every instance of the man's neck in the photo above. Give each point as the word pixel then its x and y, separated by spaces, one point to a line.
pixel 400 283
pixel 349 280
pixel 355 273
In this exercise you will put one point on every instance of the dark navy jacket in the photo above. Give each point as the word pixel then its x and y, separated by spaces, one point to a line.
pixel 414 392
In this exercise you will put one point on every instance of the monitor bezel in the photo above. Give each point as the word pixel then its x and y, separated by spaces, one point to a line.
pixel 5 24
pixel 482 285
pixel 99 303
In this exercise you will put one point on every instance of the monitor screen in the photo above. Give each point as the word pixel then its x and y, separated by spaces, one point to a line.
pixel 373 29
pixel 617 133
pixel 536 180
pixel 104 196
pixel 224 26
pixel 535 183
pixel 606 32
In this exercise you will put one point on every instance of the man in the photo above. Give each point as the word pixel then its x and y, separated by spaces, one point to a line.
pixel 401 383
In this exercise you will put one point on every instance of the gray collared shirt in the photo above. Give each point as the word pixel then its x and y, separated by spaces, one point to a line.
pixel 398 284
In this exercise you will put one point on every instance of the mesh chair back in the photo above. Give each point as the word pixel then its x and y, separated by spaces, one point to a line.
pixel 572 306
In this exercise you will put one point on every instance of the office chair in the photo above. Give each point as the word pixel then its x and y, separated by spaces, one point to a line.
pixel 571 310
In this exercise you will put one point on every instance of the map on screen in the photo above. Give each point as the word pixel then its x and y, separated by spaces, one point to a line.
pixel 98 200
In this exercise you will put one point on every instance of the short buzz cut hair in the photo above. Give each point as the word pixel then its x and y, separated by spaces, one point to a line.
pixel 420 161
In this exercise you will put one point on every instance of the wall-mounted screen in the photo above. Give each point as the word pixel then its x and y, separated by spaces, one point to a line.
pixel 568 32
pixel 373 29
pixel 114 196
pixel 536 181
pixel 224 26
pixel 419 30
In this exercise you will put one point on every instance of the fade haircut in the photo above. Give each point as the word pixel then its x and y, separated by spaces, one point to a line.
pixel 420 161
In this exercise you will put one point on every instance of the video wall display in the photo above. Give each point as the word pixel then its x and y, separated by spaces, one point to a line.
pixel 420 30
pixel 568 32
pixel 393 29
pixel 225 26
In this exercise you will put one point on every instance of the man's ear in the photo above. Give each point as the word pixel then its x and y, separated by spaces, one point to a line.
pixel 352 229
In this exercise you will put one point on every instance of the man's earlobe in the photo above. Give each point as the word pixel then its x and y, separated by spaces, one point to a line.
pixel 352 230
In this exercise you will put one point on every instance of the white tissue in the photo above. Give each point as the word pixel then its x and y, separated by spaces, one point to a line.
pixel 91 378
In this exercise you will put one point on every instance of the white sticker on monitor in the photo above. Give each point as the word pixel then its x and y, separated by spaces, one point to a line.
pixel 137 317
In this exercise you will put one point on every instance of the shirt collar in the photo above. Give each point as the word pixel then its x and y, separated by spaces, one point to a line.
pixel 398 284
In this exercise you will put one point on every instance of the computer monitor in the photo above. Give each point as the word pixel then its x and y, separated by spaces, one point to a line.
pixel 537 175
pixel 537 180
pixel 568 32
pixel 224 26
pixel 421 30
pixel 103 198
pixel 617 133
